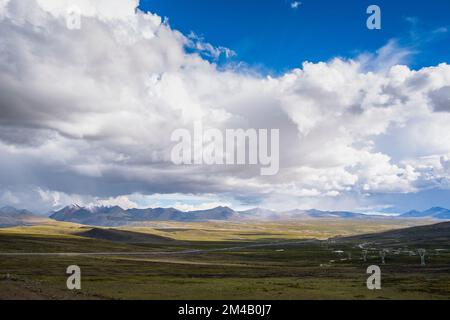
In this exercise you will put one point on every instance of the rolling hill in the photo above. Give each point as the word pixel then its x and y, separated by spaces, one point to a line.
pixel 123 236
pixel 429 235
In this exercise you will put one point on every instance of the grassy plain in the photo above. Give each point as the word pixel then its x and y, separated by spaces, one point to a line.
pixel 215 260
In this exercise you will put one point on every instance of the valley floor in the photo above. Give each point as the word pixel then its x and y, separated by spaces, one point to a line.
pixel 217 261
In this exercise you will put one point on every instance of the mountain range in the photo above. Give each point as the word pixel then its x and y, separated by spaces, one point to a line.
pixel 10 217
pixel 433 213
pixel 115 216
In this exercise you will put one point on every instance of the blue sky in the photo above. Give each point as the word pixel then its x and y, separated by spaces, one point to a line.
pixel 272 36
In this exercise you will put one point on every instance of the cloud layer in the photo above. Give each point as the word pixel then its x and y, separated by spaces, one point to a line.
pixel 86 115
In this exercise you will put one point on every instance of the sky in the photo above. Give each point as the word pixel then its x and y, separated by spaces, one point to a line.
pixel 275 37
pixel 87 114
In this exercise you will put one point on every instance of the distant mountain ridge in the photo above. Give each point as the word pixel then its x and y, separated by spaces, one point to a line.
pixel 13 211
pixel 317 214
pixel 115 216
pixel 12 217
pixel 433 213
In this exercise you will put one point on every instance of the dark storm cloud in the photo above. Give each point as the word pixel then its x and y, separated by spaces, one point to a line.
pixel 440 99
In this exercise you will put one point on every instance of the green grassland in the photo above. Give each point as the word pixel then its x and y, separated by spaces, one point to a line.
pixel 216 260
